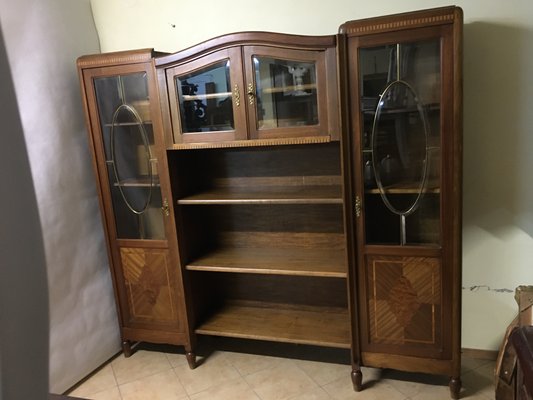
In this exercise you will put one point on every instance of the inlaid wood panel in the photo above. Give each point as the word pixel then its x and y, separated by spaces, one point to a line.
pixel 404 299
pixel 148 284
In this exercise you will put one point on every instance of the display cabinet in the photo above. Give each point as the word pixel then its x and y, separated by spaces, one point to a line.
pixel 125 136
pixel 289 188
pixel 251 86
pixel 404 151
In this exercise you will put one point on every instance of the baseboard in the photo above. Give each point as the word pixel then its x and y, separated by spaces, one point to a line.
pixel 480 354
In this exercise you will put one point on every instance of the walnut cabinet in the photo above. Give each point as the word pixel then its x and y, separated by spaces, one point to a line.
pixel 403 152
pixel 125 135
pixel 288 188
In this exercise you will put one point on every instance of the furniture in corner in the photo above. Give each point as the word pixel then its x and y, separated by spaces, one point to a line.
pixel 125 137
pixel 404 157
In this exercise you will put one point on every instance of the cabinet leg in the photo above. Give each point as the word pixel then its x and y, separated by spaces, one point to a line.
pixel 191 359
pixel 126 348
pixel 455 387
pixel 357 379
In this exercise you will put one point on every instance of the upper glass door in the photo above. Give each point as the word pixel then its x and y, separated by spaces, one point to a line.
pixel 130 158
pixel 400 85
pixel 283 92
pixel 205 96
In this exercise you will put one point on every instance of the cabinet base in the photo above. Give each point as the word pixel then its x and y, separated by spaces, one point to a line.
pixel 191 359
pixel 357 379
pixel 126 348
pixel 455 387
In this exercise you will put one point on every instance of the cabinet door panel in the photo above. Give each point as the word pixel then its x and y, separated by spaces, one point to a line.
pixel 149 286
pixel 129 150
pixel 205 98
pixel 286 92
pixel 404 304
pixel 401 141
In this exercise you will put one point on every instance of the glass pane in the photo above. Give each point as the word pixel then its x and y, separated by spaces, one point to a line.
pixel 123 106
pixel 205 99
pixel 400 106
pixel 286 93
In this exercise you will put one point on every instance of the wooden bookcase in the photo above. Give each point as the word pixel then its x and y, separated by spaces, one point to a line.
pixel 308 189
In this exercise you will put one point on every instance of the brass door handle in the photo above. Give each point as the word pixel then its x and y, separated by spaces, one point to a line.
pixel 165 209
pixel 251 93
pixel 357 206
pixel 237 95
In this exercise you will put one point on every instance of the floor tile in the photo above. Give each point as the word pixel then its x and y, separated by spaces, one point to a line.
pixel 161 386
pixel 231 390
pixel 323 373
pixel 140 365
pixel 109 394
pixel 102 380
pixel 342 389
pixel 176 359
pixel 214 370
pixel 248 364
pixel 480 381
pixel 312 394
pixel 469 364
pixel 280 382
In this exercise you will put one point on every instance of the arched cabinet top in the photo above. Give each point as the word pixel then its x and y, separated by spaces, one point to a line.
pixel 249 38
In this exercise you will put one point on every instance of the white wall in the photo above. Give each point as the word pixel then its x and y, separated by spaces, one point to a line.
pixel 498 107
pixel 24 328
pixel 43 39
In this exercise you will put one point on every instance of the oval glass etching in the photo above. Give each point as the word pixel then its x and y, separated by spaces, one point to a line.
pixel 125 164
pixel 400 148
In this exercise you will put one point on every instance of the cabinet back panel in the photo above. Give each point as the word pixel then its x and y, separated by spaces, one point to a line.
pixel 216 288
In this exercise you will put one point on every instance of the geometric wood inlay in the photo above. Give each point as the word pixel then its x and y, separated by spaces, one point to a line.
pixel 148 284
pixel 404 301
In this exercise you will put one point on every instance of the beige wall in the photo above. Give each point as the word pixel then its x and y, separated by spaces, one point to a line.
pixel 498 106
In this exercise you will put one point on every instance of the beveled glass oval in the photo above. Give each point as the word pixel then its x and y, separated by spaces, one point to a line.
pixel 126 158
pixel 399 148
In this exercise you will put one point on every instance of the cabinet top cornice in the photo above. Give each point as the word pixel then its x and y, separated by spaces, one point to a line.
pixel 249 38
pixel 395 22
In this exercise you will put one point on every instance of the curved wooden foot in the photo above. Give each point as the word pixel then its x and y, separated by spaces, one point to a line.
pixel 357 380
pixel 126 348
pixel 455 387
pixel 191 359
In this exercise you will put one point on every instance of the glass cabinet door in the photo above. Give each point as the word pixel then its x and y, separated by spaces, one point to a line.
pixel 400 86
pixel 205 96
pixel 283 88
pixel 128 140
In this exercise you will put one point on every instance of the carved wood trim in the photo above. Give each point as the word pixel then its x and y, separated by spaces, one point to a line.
pixel 401 24
pixel 116 58
pixel 252 143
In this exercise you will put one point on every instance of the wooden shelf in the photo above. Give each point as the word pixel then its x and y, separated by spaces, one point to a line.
pixel 304 194
pixel 321 326
pixel 189 97
pixel 403 189
pixel 140 182
pixel 302 261
pixel 129 124
pixel 292 88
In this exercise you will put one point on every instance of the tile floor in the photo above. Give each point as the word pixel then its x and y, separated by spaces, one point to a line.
pixel 247 370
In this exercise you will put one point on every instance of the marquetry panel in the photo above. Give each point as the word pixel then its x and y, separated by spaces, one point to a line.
pixel 148 284
pixel 404 299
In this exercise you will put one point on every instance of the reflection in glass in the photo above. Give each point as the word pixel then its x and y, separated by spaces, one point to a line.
pixel 400 106
pixel 286 93
pixel 128 139
pixel 205 99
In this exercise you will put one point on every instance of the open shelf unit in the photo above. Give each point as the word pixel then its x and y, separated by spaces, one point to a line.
pixel 257 223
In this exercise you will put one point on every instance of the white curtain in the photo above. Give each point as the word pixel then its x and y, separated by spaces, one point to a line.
pixel 43 39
